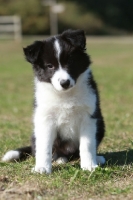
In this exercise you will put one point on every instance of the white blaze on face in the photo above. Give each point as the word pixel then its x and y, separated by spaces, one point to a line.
pixel 57 49
pixel 61 80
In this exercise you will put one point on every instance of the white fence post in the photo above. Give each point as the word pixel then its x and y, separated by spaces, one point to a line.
pixel 11 24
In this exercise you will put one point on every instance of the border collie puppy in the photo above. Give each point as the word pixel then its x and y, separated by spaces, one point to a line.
pixel 67 116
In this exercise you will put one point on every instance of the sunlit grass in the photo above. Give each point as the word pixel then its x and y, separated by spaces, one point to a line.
pixel 112 68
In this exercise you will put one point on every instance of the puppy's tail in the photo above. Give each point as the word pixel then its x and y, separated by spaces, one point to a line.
pixel 17 154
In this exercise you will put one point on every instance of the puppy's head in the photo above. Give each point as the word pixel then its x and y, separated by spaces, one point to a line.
pixel 59 60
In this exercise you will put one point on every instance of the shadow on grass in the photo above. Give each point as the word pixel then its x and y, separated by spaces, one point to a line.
pixel 119 158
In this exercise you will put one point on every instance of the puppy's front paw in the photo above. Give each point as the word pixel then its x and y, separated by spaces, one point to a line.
pixel 41 170
pixel 89 166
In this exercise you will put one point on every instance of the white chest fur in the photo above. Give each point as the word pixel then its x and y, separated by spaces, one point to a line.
pixel 66 109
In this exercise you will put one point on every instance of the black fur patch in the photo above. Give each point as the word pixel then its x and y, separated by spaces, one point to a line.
pixel 97 114
pixel 73 57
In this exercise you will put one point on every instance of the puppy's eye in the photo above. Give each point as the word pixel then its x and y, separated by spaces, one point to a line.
pixel 50 66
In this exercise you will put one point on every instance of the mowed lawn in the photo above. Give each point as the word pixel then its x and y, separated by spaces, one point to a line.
pixel 113 70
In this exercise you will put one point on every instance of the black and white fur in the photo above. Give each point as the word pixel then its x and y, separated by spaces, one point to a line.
pixel 67 116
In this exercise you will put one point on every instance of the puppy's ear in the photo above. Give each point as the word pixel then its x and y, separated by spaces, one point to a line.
pixel 32 51
pixel 75 38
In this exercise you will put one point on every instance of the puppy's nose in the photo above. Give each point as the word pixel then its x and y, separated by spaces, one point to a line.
pixel 65 83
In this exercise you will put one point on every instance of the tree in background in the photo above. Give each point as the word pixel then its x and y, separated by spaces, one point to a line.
pixel 95 17
pixel 117 14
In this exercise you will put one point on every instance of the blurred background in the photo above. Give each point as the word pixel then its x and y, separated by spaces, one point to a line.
pixel 44 17
pixel 109 29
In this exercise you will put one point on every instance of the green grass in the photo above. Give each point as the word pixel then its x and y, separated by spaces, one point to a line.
pixel 113 69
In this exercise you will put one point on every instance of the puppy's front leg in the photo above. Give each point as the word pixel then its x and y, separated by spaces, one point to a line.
pixel 88 145
pixel 45 135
